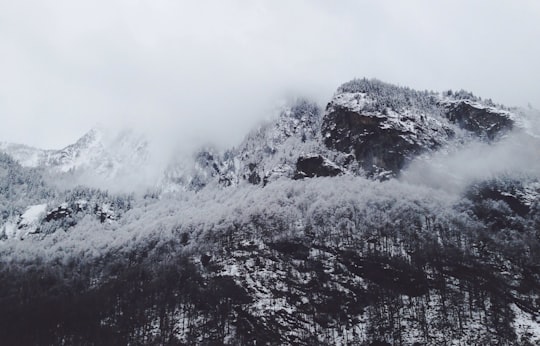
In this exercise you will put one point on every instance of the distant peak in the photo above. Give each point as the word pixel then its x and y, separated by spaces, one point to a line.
pixel 92 136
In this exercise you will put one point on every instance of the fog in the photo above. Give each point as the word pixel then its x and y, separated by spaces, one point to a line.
pixel 517 155
pixel 190 72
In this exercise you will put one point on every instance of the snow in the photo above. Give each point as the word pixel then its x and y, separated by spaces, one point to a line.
pixel 27 223
pixel 356 102
pixel 286 207
pixel 527 326
pixel 81 204
pixel 10 229
pixel 100 156
pixel 32 214
pixel 27 156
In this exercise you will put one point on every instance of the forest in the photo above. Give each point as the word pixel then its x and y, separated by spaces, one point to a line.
pixel 298 262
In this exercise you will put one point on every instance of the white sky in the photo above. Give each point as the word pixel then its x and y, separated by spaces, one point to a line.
pixel 193 71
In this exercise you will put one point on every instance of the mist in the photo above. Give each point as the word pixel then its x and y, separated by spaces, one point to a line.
pixel 516 155
pixel 190 72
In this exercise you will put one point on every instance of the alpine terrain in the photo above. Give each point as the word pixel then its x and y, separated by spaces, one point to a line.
pixel 389 216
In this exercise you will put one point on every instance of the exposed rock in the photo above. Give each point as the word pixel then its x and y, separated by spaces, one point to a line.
pixel 315 166
pixel 485 122
pixel 277 172
pixel 252 175
pixel 519 196
pixel 104 212
pixel 380 142
pixel 58 213
pixel 385 126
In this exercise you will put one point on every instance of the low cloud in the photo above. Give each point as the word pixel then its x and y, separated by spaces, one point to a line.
pixel 189 72
pixel 517 154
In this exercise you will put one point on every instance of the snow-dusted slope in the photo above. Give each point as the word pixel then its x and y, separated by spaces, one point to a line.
pixel 25 155
pixel 267 153
pixel 99 153
pixel 385 126
pixel 286 238
pixel 368 127
pixel 18 227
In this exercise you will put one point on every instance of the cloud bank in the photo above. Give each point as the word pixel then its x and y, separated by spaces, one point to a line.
pixel 516 155
pixel 187 72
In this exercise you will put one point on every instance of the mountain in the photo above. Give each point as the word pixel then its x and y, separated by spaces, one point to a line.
pixel 362 120
pixel 324 226
pixel 105 154
pixel 368 128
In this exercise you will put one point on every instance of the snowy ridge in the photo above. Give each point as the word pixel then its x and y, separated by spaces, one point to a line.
pixel 267 153
pixel 99 154
pixel 25 155
pixel 415 124
pixel 418 121
pixel 306 233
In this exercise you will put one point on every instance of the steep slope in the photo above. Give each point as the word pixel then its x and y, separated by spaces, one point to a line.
pixel 368 128
pixel 23 198
pixel 296 262
pixel 267 153
pixel 385 126
pixel 306 233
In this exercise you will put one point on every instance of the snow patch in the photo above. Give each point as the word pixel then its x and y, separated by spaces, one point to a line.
pixel 527 326
pixel 27 223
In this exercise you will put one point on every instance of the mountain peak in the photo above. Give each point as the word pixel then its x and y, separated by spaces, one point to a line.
pixel 386 126
pixel 291 234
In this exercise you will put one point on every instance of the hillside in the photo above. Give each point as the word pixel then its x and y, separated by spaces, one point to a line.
pixel 388 217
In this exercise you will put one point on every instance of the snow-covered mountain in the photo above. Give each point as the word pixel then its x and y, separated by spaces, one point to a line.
pixel 368 128
pixel 98 151
pixel 323 226
pixel 361 122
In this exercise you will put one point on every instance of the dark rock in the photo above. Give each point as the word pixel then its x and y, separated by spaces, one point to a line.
pixel 376 147
pixel 254 177
pixel 509 191
pixel 315 166
pixel 292 248
pixel 58 213
pixel 205 259
pixel 483 122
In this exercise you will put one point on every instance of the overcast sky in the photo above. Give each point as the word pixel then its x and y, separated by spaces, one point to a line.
pixel 210 70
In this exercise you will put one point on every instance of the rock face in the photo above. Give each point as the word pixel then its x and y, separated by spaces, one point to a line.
pixel 375 126
pixel 381 138
pixel 368 127
pixel 377 148
pixel 386 126
pixel 59 213
pixel 268 153
pixel 315 166
pixel 484 122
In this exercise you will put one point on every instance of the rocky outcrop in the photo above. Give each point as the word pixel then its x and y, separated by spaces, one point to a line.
pixel 385 126
pixel 378 149
pixel 484 122
pixel 59 213
pixel 315 166
pixel 382 142
pixel 253 177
